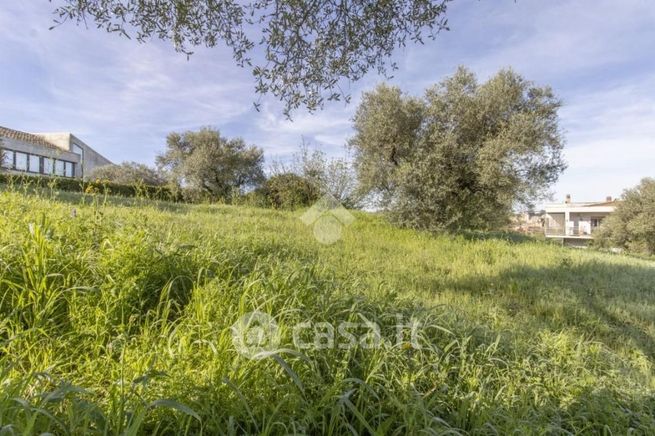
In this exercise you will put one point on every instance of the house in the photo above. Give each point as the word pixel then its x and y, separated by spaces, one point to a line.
pixel 530 222
pixel 575 223
pixel 59 154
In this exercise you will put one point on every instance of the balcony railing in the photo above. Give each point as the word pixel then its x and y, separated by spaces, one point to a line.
pixel 554 231
pixel 575 231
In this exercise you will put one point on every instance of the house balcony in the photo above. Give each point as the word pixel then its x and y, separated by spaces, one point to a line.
pixel 571 232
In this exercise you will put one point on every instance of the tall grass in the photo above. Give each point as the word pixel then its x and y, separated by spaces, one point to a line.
pixel 116 316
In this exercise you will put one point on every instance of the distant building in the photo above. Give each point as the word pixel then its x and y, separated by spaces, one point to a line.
pixel 58 154
pixel 530 222
pixel 576 223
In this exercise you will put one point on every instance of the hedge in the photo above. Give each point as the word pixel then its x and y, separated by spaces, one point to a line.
pixel 91 186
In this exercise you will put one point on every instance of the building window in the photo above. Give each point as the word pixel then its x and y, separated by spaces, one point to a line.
pixel 80 151
pixel 47 166
pixel 7 159
pixel 596 222
pixel 59 168
pixel 34 164
pixel 21 161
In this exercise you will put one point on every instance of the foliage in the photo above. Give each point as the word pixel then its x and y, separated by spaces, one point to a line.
pixel 387 126
pixel 307 48
pixel 632 225
pixel 335 177
pixel 105 187
pixel 2 157
pixel 256 198
pixel 205 162
pixel 129 173
pixel 117 321
pixel 462 156
pixel 290 191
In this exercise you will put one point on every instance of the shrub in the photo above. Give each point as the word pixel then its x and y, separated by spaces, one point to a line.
pixel 290 191
pixel 129 173
pixel 255 198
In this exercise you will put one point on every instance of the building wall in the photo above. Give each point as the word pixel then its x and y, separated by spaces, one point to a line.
pixel 555 220
pixel 60 140
pixel 90 159
pixel 26 147
pixel 584 220
pixel 579 243
pixel 579 223
pixel 41 151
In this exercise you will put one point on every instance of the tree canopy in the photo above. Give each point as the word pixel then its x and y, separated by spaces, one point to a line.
pixel 632 225
pixel 210 163
pixel 298 51
pixel 463 155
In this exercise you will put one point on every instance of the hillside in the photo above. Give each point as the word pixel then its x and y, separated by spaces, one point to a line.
pixel 116 318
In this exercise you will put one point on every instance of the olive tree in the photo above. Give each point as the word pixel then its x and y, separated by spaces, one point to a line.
pixel 209 163
pixel 632 225
pixel 298 51
pixel 462 156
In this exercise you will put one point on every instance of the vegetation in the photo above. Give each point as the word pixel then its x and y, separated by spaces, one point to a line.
pixel 116 320
pixel 129 173
pixel 290 191
pixel 335 177
pixel 210 164
pixel 464 155
pixel 26 182
pixel 2 157
pixel 306 48
pixel 632 226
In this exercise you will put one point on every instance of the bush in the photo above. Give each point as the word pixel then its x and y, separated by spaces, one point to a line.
pixel 290 191
pixel 254 198
pixel 92 186
pixel 129 173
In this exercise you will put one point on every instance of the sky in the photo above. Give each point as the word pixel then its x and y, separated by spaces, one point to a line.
pixel 123 98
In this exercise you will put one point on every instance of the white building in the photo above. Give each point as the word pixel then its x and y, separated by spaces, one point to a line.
pixel 58 154
pixel 576 223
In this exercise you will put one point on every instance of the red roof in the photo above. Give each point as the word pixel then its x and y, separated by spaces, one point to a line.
pixel 25 137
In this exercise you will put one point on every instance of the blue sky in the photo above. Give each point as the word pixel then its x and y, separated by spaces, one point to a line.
pixel 122 97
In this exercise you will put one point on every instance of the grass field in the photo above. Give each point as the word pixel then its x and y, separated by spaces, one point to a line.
pixel 116 319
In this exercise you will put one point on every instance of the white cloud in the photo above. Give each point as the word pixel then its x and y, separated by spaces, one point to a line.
pixel 596 54
pixel 328 129
pixel 112 91
pixel 611 136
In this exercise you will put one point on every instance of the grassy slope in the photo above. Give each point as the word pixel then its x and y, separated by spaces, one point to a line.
pixel 109 311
